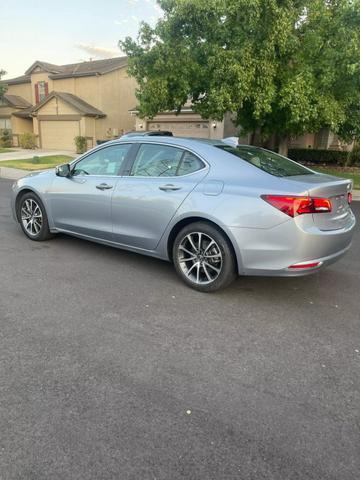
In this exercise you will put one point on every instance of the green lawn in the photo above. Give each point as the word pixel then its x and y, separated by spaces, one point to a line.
pixel 6 150
pixel 355 177
pixel 43 162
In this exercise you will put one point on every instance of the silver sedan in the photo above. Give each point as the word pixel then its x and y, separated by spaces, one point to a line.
pixel 213 210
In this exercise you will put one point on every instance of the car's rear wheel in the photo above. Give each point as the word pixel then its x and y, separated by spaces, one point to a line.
pixel 32 217
pixel 203 257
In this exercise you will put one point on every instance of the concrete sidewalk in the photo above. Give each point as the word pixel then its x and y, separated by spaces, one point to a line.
pixel 23 154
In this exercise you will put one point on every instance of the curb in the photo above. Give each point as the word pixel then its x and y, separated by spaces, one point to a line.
pixel 356 195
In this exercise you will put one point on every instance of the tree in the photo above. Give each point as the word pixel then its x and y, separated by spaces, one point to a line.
pixel 3 86
pixel 284 67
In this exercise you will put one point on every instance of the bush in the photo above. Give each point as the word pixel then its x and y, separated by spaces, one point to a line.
pixel 6 138
pixel 328 157
pixel 80 143
pixel 35 160
pixel 354 157
pixel 27 140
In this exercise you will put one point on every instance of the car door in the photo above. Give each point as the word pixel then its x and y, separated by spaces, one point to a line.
pixel 144 202
pixel 82 203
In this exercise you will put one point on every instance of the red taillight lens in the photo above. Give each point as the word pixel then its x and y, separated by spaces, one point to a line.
pixel 349 198
pixel 302 266
pixel 294 206
pixel 321 205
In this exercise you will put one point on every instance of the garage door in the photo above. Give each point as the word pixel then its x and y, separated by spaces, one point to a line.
pixel 59 135
pixel 183 129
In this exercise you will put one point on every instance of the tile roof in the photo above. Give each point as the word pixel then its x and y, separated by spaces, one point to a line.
pixel 24 113
pixel 80 69
pixel 17 80
pixel 17 101
pixel 78 103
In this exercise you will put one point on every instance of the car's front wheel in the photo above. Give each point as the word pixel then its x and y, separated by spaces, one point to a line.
pixel 203 257
pixel 32 217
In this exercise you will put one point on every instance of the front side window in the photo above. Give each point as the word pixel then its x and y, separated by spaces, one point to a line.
pixel 267 161
pixel 107 161
pixel 164 161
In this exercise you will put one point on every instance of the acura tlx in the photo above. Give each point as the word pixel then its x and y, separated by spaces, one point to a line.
pixel 213 210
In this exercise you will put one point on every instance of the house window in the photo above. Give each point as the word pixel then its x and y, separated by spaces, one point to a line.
pixel 41 91
pixel 5 124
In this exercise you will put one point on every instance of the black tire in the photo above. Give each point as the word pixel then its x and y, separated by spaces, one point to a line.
pixel 32 207
pixel 213 267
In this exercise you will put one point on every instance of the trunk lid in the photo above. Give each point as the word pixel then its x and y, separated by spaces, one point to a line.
pixel 333 188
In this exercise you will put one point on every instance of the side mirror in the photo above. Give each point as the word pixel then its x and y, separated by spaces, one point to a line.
pixel 63 170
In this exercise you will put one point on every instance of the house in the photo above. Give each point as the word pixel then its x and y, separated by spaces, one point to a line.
pixel 95 99
pixel 60 102
pixel 187 124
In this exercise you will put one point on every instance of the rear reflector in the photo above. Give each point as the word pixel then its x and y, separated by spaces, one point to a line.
pixel 298 266
pixel 294 206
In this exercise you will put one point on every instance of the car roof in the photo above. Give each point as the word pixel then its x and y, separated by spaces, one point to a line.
pixel 169 139
pixel 150 133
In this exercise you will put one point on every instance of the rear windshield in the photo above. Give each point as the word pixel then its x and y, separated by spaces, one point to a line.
pixel 270 162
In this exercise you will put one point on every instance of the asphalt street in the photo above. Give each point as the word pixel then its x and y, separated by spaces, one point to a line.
pixel 111 368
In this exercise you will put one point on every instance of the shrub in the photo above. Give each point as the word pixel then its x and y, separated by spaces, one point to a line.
pixel 35 159
pixel 6 138
pixel 27 140
pixel 329 157
pixel 80 143
pixel 354 157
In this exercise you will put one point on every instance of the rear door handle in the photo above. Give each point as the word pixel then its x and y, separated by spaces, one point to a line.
pixel 104 186
pixel 168 187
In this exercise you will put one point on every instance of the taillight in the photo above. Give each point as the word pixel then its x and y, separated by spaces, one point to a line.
pixel 294 206
pixel 349 198
pixel 304 265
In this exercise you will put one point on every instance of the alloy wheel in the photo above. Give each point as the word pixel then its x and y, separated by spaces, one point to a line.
pixel 200 258
pixel 31 217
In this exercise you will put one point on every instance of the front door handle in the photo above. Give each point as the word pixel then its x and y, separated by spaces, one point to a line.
pixel 104 186
pixel 168 187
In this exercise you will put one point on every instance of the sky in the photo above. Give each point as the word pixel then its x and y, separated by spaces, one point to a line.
pixel 67 31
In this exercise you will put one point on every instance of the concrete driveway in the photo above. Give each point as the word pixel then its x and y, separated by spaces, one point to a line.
pixel 20 153
pixel 112 369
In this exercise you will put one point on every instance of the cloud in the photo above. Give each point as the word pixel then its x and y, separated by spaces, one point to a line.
pixel 99 52
pixel 124 21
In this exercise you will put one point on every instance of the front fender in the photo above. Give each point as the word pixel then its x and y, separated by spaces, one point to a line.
pixel 36 184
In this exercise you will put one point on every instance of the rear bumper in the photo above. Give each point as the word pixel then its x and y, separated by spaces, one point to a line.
pixel 272 251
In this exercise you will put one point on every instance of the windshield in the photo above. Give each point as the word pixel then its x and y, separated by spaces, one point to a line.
pixel 267 161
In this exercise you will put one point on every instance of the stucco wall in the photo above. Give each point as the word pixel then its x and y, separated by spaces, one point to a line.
pixel 117 98
pixel 88 128
pixel 57 107
pixel 22 90
pixel 183 125
pixel 21 125
pixel 6 111
pixel 112 93
pixel 303 141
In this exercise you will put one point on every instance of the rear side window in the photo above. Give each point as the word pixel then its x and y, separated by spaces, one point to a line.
pixel 189 164
pixel 269 162
pixel 164 161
